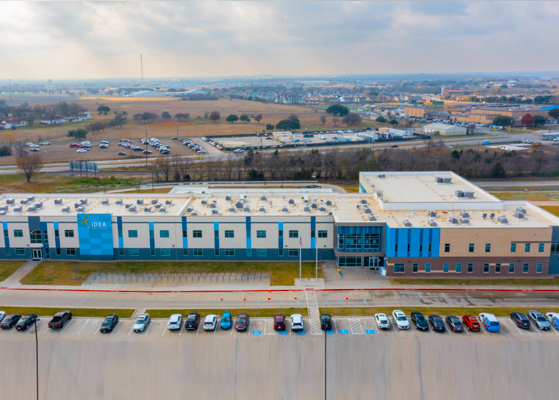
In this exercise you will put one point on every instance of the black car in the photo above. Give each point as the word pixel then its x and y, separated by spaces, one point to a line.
pixel 437 323
pixel 521 320
pixel 147 151
pixel 121 153
pixel 420 321
pixel 10 321
pixel 109 323
pixel 325 322
pixel 394 145
pixel 26 321
pixel 454 323
pixel 192 321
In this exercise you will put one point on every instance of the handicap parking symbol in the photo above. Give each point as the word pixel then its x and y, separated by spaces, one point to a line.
pixel 330 332
pixel 370 332
pixel 282 332
pixel 300 332
pixel 257 333
pixel 344 332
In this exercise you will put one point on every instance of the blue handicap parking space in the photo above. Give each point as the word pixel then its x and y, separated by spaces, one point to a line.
pixel 257 333
pixel 300 332
pixel 282 332
pixel 330 332
pixel 344 332
pixel 370 332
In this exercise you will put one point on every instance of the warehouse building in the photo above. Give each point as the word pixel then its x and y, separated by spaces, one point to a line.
pixel 444 129
pixel 411 223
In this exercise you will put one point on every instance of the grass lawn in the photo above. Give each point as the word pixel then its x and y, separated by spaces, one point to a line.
pixel 252 312
pixel 9 267
pixel 528 196
pixel 76 312
pixel 76 272
pixel 479 282
pixel 443 311
pixel 552 209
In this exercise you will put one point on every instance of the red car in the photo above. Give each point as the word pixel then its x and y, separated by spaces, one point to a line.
pixel 74 145
pixel 279 322
pixel 471 322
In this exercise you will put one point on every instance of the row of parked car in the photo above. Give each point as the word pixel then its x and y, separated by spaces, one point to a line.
pixel 472 323
pixel 194 147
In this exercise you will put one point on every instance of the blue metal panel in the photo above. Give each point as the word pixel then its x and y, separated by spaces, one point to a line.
pixel 56 239
pixel 402 242
pixel 361 188
pixel 34 223
pixel 184 228
pixel 427 235
pixel 390 241
pixel 248 229
pixel 313 228
pixel 280 240
pixel 216 239
pixel 152 239
pixel 95 235
pixel 415 241
pixel 45 244
pixel 6 238
pixel 436 242
pixel 119 227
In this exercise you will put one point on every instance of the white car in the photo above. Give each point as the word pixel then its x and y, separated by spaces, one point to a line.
pixel 103 146
pixel 81 151
pixel 174 322
pixel 34 149
pixel 527 141
pixel 297 322
pixel 201 151
pixel 323 138
pixel 548 315
pixel 2 315
pixel 29 144
pixel 44 143
pixel 382 321
pixel 210 323
pixel 141 323
pixel 238 151
pixel 401 320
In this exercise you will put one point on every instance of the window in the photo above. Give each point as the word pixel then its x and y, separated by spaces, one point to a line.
pixel 216 252
pixel 163 234
pixel 293 234
pixel 132 234
pixel 68 233
pixel 17 233
pixel 152 252
pixel 445 267
pixel 353 241
pixel 197 252
pixel 486 268
pixel 197 234
pixel 415 268
pixel 396 248
pixel 349 262
pixel 313 233
pixel 280 234
pixel 421 247
pixel 36 236
pixel 134 252
pixel 280 252
pixel 447 248
pixel 261 252
pixel 555 248
pixel 249 234
pixel 229 252
pixel 399 268
pixel 497 268
pixel 151 234
pixel 119 233
pixel 20 251
pixel 511 268
pixel 470 268
pixel 260 234
pixel 229 234
pixel 488 247
pixel 184 233
pixel 249 252
pixel 323 234
pixel 409 247
pixel 429 248
pixel 165 252
pixel 57 233
pixel 120 252
pixel 471 248
pixel 527 247
pixel 293 253
pixel 458 267
pixel 58 251
pixel 525 269
pixel 185 251
pixel 216 234
pixel 513 247
pixel 540 248
pixel 6 233
pixel 8 251
pixel 427 268
pixel 539 268
pixel 70 252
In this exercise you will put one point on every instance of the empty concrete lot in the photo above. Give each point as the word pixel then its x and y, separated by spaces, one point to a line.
pixel 362 362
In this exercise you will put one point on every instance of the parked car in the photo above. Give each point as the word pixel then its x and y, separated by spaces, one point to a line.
pixel 552 317
pixel 10 321
pixel 238 151
pixel 539 320
pixel 44 143
pixel 454 323
pixel 165 152
pixel 192 321
pixel 34 149
pixel 175 322
pixel 57 322
pixel 26 321
pixel 121 153
pixel 74 145
pixel 490 322
pixel 226 321
pixel 400 319
pixel 520 320
pixel 242 322
pixel 394 145
pixel 82 151
pixel 147 152
pixel 109 323
pixel 174 138
pixel 325 322
pixel 420 321
pixel 437 323
pixel 471 323
pixel 103 146
pixel 279 322
pixel 210 323
pixel 2 315
pixel 297 322
pixel 142 323
pixel 382 321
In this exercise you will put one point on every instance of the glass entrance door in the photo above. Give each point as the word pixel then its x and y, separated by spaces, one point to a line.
pixel 37 254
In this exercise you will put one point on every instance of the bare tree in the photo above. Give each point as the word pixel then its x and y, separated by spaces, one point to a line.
pixel 323 119
pixel 19 148
pixel 335 120
pixel 29 164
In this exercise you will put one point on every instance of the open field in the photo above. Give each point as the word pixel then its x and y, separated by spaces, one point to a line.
pixel 7 268
pixel 76 312
pixel 252 312
pixel 551 281
pixel 60 183
pixel 75 273
pixel 552 209
pixel 458 311
pixel 528 196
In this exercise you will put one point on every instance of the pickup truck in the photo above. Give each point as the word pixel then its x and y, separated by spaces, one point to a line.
pixel 57 322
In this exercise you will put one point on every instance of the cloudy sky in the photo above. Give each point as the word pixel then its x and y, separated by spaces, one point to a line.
pixel 104 39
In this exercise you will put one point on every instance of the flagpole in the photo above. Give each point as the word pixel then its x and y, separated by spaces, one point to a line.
pixel 300 251
pixel 316 247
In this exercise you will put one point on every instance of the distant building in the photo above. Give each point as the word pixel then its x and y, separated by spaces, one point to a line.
pixel 444 129
pixel 54 120
pixel 8 123
pixel 5 125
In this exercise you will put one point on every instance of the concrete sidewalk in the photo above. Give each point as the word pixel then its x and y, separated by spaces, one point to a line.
pixel 14 279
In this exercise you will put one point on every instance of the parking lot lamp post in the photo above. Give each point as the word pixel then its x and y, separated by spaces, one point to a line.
pixel 146 144
pixel 325 363
pixel 37 357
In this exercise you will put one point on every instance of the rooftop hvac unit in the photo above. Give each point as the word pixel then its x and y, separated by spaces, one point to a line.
pixel 57 202
pixel 367 211
pixel 132 209
pixel 239 205
pixel 163 210
pixel 382 176
pixel 363 201
pixel 432 214
pixel 190 209
pixel 261 210
pixel 154 201
pixel 432 223
pixel 10 201
pixel 119 202
pixel 232 210
pixel 328 202
pixel 464 214
pixel 263 198
pixel 521 209
pixel 519 215
pixel 314 205
pixel 407 223
pixel 140 202
pixel 4 208
pixel 291 201
pixel 213 205
pixel 65 210
pixel 284 210
pixel 358 206
pixel 228 198
pixel 469 194
pixel 440 179
pixel 306 199
pixel 372 218
pixel 454 220
pixel 80 209
pixel 168 202
pixel 83 201
pixel 30 198
pixel 158 205
pixel 464 221
pixel 20 209
pixel 23 202
pixel 307 209
pixel 492 215
pixel 3 212
pixel 242 197
pixel 194 213
pixel 76 205
pixel 128 205
pixel 204 202
pixel 246 209
pixel 502 219
pixel 215 211
pixel 323 209
pixel 484 215
pixel 105 202
pixel 39 205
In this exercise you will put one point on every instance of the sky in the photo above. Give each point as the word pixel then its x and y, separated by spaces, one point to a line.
pixel 62 40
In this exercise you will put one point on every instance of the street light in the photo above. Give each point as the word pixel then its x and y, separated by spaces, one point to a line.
pixel 37 356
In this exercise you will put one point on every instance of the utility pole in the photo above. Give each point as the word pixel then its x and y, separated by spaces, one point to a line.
pixel 142 66
pixel 146 144
pixel 10 86
pixel 37 357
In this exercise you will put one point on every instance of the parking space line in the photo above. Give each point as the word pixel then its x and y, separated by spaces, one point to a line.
pixel 14 328
pixel 66 326
pixel 335 328
pixel 99 327
pixel 149 326
pixel 116 327
pixel 83 326
pixel 131 329
pixel 232 326
pixel 249 321
pixel 517 328
pixel 198 329
pixel 466 330
pixel 393 325
pixel 164 330
pixel 46 329
pixel 555 330
pixel 182 326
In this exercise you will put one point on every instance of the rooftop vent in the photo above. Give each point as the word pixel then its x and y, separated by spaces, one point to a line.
pixel 65 210
pixel 484 215
pixel 215 211
pixel 194 213
pixel 314 205
pixel 328 202
pixel 454 220
pixel 80 209
pixel 105 202
pixel 23 202
pixel 83 201
pixel 432 223
pixel 140 202
pixel 440 179
pixel 154 201
pixel 306 198
pixel 502 219
pixel 382 176
pixel 323 209
pixel 407 223
pixel 263 198
pixel 261 210
pixel 30 198
pixel 163 210
pixel 57 202
pixel 363 201
pixel 307 209
pixel 239 205
pixel 246 209
pixel 204 202
pixel 232 210
pixel 358 206
pixel 519 215
pixel 291 201
pixel 132 209
pixel 10 201
pixel 284 210
pixel 158 205
pixel 168 202
pixel 464 214
pixel 492 215
pixel 190 209
pixel 228 198
pixel 432 214
pixel 119 202
pixel 372 218
pixel 464 221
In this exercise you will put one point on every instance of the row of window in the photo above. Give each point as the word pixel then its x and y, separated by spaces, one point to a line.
pixel 228 234
pixel 20 251
pixel 35 236
pixel 471 247
pixel 429 248
pixel 200 252
pixel 400 268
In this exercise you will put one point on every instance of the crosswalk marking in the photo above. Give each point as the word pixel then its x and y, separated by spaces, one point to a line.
pixel 269 327
pixel 355 326
pixel 314 312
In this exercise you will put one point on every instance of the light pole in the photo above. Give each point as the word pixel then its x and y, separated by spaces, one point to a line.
pixel 37 357
pixel 325 364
